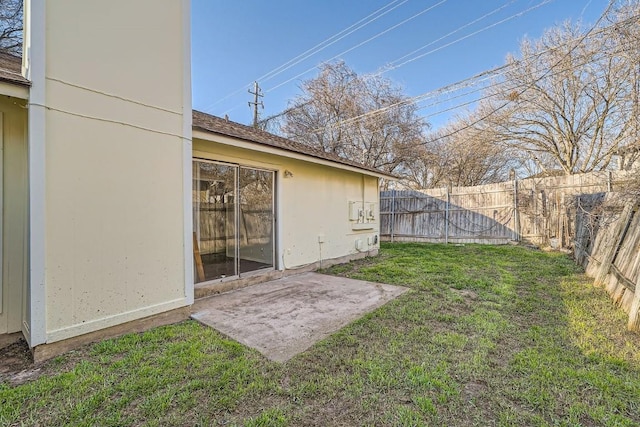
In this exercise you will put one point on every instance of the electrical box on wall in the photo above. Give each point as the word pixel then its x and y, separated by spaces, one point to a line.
pixel 362 215
pixel 370 211
pixel 356 213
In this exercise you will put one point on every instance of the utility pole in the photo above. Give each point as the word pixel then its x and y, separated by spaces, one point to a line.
pixel 257 93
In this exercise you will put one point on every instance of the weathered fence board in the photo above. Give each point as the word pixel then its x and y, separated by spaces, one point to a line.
pixel 579 211
pixel 539 210
pixel 215 226
pixel 607 245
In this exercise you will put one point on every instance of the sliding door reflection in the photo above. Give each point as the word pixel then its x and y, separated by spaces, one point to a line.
pixel 256 219
pixel 214 220
pixel 233 220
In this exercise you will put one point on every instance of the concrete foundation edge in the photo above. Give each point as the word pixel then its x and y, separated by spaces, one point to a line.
pixel 47 351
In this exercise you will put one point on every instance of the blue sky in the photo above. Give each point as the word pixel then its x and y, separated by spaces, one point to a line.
pixel 235 42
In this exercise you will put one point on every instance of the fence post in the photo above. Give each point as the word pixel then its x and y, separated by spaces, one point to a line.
pixel 516 213
pixel 393 210
pixel 618 237
pixel 446 217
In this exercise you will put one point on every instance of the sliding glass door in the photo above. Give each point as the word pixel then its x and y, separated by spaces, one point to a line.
pixel 233 220
pixel 214 220
pixel 256 219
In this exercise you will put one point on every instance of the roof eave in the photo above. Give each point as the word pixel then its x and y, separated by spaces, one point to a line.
pixel 204 133
pixel 14 89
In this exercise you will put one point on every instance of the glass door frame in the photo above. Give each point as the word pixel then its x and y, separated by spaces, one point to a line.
pixel 272 225
pixel 236 211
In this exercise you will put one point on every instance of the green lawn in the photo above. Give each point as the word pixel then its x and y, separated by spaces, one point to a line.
pixel 506 336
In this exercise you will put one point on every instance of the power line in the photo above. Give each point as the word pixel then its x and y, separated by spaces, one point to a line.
pixel 517 15
pixel 393 67
pixel 428 9
pixel 484 97
pixel 484 75
pixel 313 51
pixel 486 116
pixel 320 46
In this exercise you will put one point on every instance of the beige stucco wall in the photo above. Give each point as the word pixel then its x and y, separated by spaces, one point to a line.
pixel 13 147
pixel 114 166
pixel 313 202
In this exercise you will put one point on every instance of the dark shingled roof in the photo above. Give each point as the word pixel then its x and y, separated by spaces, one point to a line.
pixel 217 125
pixel 11 69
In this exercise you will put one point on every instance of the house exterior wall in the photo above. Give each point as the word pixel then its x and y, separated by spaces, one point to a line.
pixel 311 205
pixel 116 123
pixel 13 213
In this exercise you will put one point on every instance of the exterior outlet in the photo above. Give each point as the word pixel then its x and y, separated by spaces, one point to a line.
pixel 359 244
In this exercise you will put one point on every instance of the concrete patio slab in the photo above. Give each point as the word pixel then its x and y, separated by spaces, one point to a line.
pixel 284 317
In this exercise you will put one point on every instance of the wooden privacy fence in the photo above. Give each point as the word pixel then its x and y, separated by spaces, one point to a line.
pixel 607 245
pixel 537 210
pixel 215 226
pixel 441 215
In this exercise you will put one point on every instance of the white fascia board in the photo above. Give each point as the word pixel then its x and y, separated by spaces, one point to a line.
pixel 262 148
pixel 14 90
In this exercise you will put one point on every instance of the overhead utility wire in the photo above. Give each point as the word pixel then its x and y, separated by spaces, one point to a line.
pixel 468 82
pixel 447 88
pixel 427 95
pixel 484 97
pixel 466 103
pixel 517 15
pixel 319 47
pixel 536 81
pixel 453 88
pixel 495 84
pixel 361 43
pixel 325 44
pixel 393 67
pixel 390 66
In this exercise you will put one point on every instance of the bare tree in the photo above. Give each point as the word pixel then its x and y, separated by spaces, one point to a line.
pixel 567 102
pixel 625 23
pixel 11 26
pixel 460 154
pixel 365 118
